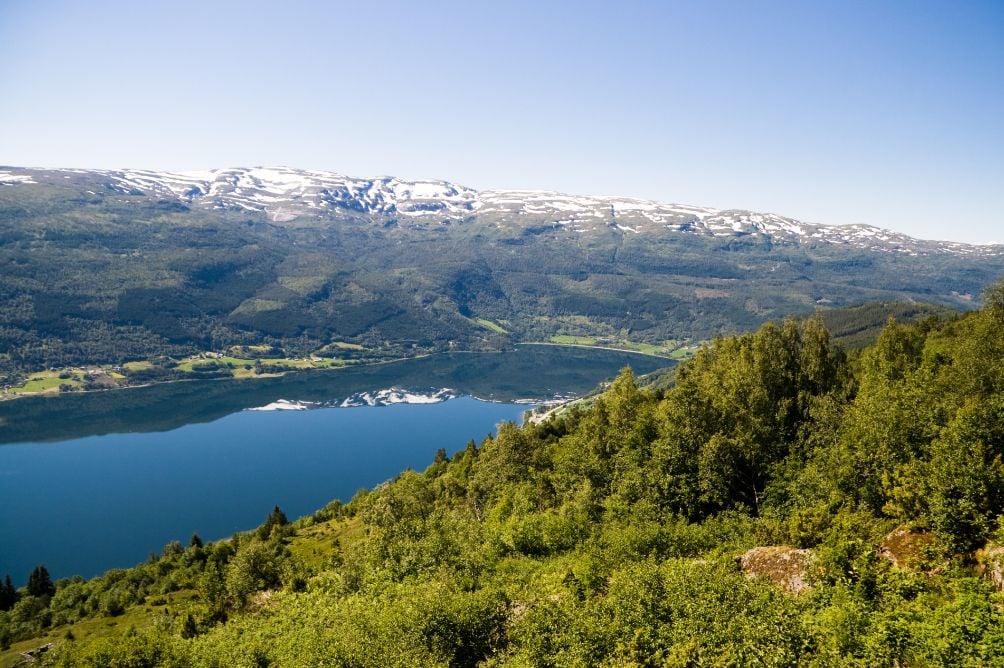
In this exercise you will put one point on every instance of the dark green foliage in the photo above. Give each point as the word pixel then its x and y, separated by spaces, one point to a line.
pixel 276 520
pixel 39 583
pixel 190 629
pixel 8 594
pixel 858 326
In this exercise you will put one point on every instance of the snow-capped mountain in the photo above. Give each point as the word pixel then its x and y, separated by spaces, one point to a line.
pixel 285 194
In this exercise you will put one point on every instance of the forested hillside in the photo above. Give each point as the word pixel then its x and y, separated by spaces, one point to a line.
pixel 624 533
pixel 111 267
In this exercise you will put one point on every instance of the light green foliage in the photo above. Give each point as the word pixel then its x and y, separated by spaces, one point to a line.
pixel 967 475
pixel 257 566
pixel 151 648
pixel 739 410
pixel 488 324
pixel 673 613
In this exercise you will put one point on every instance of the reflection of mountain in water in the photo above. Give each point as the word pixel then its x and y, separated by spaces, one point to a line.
pixel 529 372
pixel 388 397
pixel 398 395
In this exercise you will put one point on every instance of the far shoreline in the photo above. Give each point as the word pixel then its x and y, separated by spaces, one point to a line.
pixel 14 396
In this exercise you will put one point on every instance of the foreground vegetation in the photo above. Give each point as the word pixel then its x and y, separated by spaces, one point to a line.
pixel 610 534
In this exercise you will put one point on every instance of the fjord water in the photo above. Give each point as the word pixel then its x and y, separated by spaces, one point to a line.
pixel 81 500
pixel 85 505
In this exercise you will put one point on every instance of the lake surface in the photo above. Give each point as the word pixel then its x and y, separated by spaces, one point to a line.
pixel 92 482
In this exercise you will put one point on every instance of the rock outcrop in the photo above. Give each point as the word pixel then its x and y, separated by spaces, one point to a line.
pixel 906 548
pixel 787 567
pixel 991 564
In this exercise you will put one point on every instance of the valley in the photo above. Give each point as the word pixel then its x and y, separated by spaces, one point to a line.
pixel 197 347
pixel 501 335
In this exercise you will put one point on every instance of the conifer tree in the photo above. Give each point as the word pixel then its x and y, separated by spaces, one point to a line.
pixel 39 582
pixel 8 594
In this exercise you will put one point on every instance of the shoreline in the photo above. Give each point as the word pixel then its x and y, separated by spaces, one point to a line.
pixel 14 396
pixel 583 345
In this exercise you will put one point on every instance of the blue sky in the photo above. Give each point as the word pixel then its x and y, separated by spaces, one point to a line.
pixel 888 113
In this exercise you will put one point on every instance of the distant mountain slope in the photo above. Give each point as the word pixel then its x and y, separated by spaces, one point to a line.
pixel 858 326
pixel 284 194
pixel 105 266
pixel 852 327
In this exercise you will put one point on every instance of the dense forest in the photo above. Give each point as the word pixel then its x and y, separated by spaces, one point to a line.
pixel 783 501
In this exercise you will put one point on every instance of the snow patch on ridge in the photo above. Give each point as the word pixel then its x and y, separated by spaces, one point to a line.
pixel 9 178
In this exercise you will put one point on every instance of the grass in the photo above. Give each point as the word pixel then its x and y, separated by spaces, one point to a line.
pixel 303 285
pixel 488 324
pixel 47 381
pixel 241 372
pixel 189 363
pixel 241 367
pixel 684 352
pixel 346 346
pixel 144 615
pixel 672 349
pixel 314 545
pixel 647 348
pixel 567 340
pixel 255 305
pixel 256 348
pixel 301 363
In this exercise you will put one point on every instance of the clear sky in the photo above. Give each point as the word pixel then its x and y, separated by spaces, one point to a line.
pixel 888 113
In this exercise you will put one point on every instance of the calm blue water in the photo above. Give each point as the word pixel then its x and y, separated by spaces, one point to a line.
pixel 86 505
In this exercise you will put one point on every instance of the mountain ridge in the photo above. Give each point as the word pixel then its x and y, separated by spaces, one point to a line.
pixel 285 193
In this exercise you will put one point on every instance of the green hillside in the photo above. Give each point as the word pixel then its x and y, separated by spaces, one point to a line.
pixel 96 275
pixel 779 505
